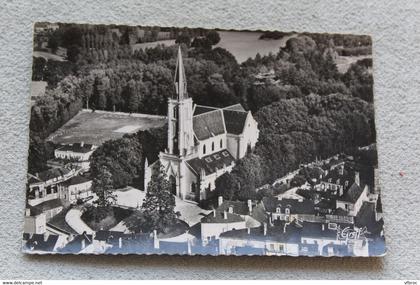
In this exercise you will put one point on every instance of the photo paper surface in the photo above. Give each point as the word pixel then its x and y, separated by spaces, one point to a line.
pixel 156 140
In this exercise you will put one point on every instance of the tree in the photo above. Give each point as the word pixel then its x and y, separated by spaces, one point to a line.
pixel 213 37
pixel 102 185
pixel 183 38
pixel 157 211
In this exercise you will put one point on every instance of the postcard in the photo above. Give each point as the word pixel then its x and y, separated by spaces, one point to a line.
pixel 165 140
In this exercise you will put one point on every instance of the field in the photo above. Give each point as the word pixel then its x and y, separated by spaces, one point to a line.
pixel 100 126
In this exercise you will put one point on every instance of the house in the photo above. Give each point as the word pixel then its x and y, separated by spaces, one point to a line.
pixel 34 221
pixel 77 187
pixel 335 180
pixel 265 240
pixel 43 243
pixel 252 214
pixel 354 197
pixel 50 208
pixel 216 223
pixel 330 239
pixel 288 209
pixel 203 142
pixel 77 154
pixel 43 186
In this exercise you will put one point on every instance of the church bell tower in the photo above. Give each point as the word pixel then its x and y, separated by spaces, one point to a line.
pixel 180 117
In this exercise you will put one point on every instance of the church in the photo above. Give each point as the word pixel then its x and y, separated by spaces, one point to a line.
pixel 203 142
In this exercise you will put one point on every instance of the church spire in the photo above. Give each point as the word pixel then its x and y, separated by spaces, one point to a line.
pixel 180 79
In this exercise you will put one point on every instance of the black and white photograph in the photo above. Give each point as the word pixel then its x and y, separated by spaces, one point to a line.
pixel 191 141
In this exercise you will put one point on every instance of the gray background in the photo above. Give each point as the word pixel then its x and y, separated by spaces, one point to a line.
pixel 395 27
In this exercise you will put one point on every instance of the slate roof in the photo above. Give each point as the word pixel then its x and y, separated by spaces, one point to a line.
pixel 219 219
pixel 200 109
pixel 75 180
pixel 208 124
pixel 352 194
pixel 236 107
pixel 48 205
pixel 292 234
pixel 239 207
pixel 38 242
pixel 75 245
pixel 315 230
pixel 235 121
pixel 296 207
pixel 210 162
pixel 48 175
pixel 108 235
pixel 77 147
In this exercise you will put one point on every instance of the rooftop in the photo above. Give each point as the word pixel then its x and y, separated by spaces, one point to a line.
pixel 231 218
pixel 352 194
pixel 48 205
pixel 275 233
pixel 75 180
pixel 235 121
pixel 209 124
pixel 296 207
pixel 77 147
pixel 41 242
pixel 211 162
pixel 48 175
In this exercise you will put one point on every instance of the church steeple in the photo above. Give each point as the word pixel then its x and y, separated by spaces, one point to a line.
pixel 180 79
pixel 180 114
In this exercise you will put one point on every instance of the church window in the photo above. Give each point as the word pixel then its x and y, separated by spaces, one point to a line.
pixel 204 149
pixel 221 143
pixel 212 146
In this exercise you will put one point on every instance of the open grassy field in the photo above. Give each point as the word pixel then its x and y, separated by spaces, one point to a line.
pixel 100 126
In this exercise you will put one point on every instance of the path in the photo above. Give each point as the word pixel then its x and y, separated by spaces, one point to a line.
pixel 74 220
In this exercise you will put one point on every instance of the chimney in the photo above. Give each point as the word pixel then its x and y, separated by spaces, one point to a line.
pixel 323 227
pixel 250 206
pixel 270 221
pixel 231 209
pixel 300 199
pixel 248 229
pixel 189 246
pixel 120 242
pixel 82 144
pixel 214 213
pixel 357 178
pixel 265 229
pixel 220 201
pixel 46 236
pixel 83 243
pixel 155 240
pixel 27 212
pixel 225 215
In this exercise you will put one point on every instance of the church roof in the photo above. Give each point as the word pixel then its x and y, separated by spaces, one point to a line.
pixel 235 121
pixel 236 107
pixel 208 124
pixel 353 193
pixel 211 162
pixel 200 109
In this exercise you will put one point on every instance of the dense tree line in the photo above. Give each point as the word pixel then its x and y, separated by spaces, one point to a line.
pixel 295 131
pixel 305 107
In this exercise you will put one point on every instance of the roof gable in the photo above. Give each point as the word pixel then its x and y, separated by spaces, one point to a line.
pixel 235 121
pixel 208 124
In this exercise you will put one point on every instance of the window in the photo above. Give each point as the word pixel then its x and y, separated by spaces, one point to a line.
pixel 221 143
pixel 225 154
pixel 212 146
pixel 204 149
pixel 216 156
pixel 332 226
pixel 278 210
pixel 287 211
pixel 208 159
